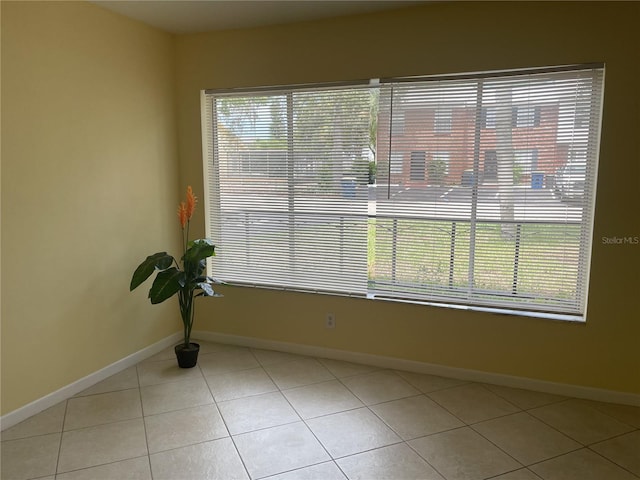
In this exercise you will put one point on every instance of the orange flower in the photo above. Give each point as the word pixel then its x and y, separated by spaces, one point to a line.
pixel 191 202
pixel 182 214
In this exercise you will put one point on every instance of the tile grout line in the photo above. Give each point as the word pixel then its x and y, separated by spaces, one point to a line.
pixel 102 423
pixel 522 408
pixel 144 423
pixel 93 466
pixel 585 445
pixel 298 413
pixel 266 477
pixel 581 447
pixel 512 471
pixel 229 435
pixel 280 390
pixel 368 407
pixel 233 440
pixel 446 409
pixel 406 441
pixel 64 419
pixel 611 460
pixel 602 412
pixel 464 423
pixel 427 461
pixel 402 440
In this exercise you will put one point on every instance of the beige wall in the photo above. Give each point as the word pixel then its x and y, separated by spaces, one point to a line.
pixel 445 38
pixel 89 188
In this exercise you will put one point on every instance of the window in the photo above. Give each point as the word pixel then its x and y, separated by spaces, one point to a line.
pixel 397 164
pixel 298 215
pixel 490 167
pixel 418 160
pixel 525 160
pixel 397 127
pixel 305 225
pixel 442 123
pixel 488 117
pixel 504 243
pixel 527 116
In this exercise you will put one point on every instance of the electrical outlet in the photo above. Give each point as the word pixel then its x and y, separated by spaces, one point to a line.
pixel 330 320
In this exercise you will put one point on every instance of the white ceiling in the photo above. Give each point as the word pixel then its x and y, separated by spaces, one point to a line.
pixel 195 16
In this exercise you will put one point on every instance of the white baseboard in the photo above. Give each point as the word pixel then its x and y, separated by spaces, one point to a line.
pixel 577 391
pixel 567 390
pixel 68 391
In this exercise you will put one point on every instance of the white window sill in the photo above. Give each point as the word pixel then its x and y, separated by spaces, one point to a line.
pixel 563 317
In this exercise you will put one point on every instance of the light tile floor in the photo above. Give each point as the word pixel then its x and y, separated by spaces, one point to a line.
pixel 247 413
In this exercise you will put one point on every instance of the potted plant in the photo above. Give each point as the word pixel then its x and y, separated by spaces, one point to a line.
pixel 187 280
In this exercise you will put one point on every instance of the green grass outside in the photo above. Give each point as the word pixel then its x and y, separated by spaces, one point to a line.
pixel 547 256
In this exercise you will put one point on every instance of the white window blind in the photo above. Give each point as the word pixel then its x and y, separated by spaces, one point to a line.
pixel 493 211
pixel 509 221
pixel 287 174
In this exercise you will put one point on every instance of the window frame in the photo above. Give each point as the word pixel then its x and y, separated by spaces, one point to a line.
pixel 535 116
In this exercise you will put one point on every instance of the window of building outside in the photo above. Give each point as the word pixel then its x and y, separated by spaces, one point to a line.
pixel 398 123
pixel 527 116
pixel 490 167
pixel 488 117
pixel 288 204
pixel 418 166
pixel 443 118
pixel 396 163
pixel 525 160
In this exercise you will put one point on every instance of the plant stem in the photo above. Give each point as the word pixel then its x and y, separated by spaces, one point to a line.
pixel 186 301
pixel 186 295
pixel 186 241
pixel 193 314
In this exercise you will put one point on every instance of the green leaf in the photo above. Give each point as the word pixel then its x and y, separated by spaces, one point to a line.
pixel 166 284
pixel 159 261
pixel 203 294
pixel 199 250
pixel 207 290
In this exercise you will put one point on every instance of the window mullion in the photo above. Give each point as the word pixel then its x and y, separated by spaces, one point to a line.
pixel 474 185
pixel 390 142
pixel 291 229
